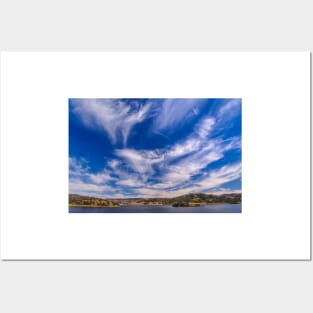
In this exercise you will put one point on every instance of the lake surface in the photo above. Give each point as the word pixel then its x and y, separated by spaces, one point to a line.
pixel 212 208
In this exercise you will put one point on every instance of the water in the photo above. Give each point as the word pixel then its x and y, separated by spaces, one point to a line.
pixel 212 208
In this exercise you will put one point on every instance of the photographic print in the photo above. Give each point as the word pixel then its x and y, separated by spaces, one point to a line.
pixel 154 155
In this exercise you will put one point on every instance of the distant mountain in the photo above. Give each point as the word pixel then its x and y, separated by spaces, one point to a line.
pixel 192 199
pixel 197 199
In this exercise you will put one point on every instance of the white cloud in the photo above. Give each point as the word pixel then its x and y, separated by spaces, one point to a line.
pixel 100 178
pixel 172 112
pixel 77 167
pixel 192 164
pixel 204 128
pixel 131 119
pixel 220 191
pixel 82 187
pixel 131 182
pixel 218 177
pixel 115 117
pixel 140 161
pixel 183 148
pixel 195 141
pixel 113 164
pixel 229 109
pixel 79 175
pixel 150 193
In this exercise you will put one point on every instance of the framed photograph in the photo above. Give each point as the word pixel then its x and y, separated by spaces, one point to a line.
pixel 155 155
pixel 114 155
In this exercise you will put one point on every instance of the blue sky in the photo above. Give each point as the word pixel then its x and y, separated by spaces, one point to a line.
pixel 154 147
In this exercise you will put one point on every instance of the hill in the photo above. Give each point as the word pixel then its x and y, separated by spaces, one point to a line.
pixel 202 198
pixel 78 200
pixel 192 199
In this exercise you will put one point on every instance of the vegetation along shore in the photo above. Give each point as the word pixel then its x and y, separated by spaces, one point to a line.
pixel 188 200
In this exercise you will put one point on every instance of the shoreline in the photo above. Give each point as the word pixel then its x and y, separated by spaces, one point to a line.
pixel 118 206
pixel 93 206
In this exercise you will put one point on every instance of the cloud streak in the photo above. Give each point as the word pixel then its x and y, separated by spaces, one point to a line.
pixel 112 116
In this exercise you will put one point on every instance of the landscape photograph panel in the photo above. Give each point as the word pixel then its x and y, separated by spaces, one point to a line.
pixel 155 155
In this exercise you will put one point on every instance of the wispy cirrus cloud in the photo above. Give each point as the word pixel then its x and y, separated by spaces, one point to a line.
pixel 205 184
pixel 229 110
pixel 113 116
pixel 173 112
pixel 140 161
